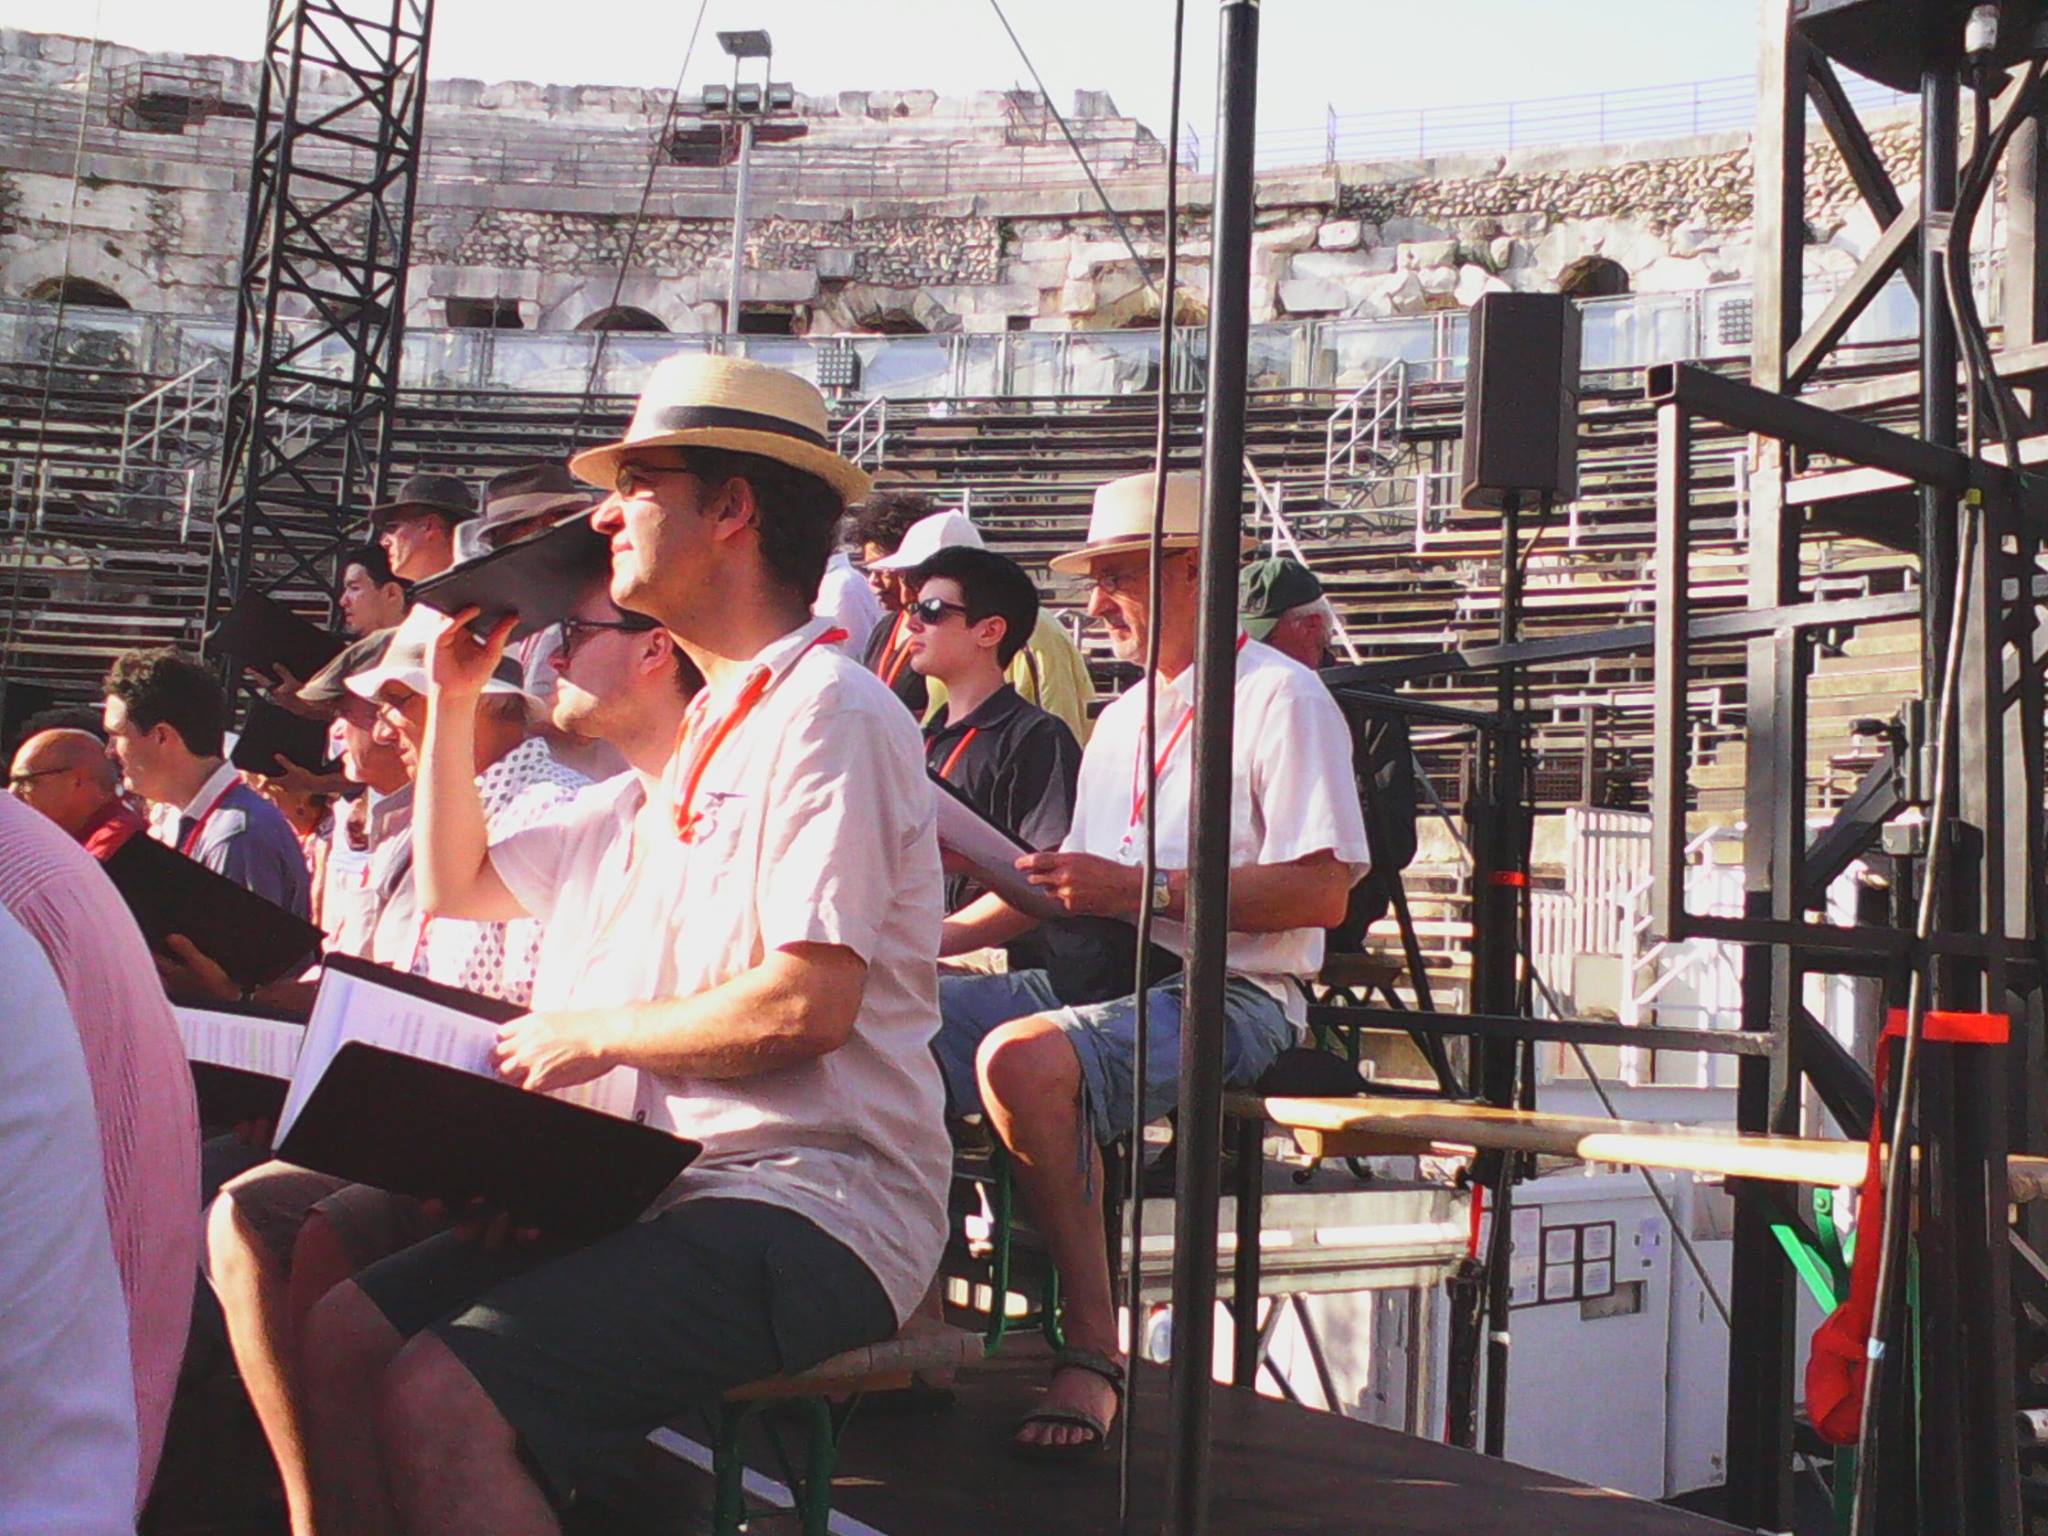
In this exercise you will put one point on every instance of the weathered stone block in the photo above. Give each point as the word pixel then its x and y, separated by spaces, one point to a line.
pixel 1078 297
pixel 1419 255
pixel 1312 296
pixel 1340 235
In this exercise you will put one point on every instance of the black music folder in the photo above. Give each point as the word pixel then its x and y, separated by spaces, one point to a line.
pixel 272 732
pixel 262 634
pixel 395 1087
pixel 253 940
pixel 539 578
pixel 241 1059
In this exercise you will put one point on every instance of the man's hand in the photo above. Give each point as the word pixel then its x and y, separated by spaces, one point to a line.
pixel 194 975
pixel 294 780
pixel 1086 884
pixel 546 1051
pixel 458 663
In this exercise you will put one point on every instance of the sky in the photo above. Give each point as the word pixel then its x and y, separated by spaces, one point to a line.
pixel 1357 56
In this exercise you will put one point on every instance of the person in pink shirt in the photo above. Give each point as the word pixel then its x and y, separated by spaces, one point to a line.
pixel 141 1091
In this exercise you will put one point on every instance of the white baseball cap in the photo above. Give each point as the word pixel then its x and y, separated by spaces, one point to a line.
pixel 405 661
pixel 926 537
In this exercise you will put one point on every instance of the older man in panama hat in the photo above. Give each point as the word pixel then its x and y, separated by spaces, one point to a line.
pixel 762 922
pixel 1052 1064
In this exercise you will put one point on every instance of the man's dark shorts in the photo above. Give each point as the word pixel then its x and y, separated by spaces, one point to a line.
pixel 586 1352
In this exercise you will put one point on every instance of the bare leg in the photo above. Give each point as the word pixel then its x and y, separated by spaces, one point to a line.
pixel 454 1461
pixel 319 1264
pixel 1031 1087
pixel 254 1295
pixel 349 1346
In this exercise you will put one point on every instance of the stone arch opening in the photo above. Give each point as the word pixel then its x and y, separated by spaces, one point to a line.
pixel 621 317
pixel 892 322
pixel 1593 277
pixel 77 293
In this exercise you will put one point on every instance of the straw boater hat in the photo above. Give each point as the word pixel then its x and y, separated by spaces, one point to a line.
pixel 1122 519
pixel 700 401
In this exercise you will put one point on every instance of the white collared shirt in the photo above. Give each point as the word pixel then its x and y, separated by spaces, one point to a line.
pixel 845 597
pixel 1292 795
pixel 216 785
pixel 816 826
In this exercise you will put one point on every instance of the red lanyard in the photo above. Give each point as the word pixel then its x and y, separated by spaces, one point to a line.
pixel 953 757
pixel 1180 729
pixel 755 690
pixel 893 659
pixel 419 943
pixel 192 838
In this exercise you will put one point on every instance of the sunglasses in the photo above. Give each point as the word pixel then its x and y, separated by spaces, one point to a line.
pixel 573 631
pixel 933 610
pixel 636 480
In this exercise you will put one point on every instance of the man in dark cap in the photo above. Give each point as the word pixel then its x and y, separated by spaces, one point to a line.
pixel 417 526
pixel 1281 602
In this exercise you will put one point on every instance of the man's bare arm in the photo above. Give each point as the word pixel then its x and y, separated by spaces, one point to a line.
pixel 796 1005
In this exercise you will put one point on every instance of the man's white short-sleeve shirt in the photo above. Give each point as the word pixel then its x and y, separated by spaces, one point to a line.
pixel 815 826
pixel 1292 795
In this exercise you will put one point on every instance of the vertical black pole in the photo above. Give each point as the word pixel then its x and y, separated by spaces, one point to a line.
pixel 1200 1151
pixel 1940 1353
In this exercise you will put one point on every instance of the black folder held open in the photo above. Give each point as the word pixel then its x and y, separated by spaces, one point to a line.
pixel 253 940
pixel 394 1087
pixel 262 634
pixel 541 579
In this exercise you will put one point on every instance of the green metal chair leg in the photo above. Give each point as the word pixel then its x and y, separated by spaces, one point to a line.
pixel 814 1499
pixel 728 1471
pixel 1003 1203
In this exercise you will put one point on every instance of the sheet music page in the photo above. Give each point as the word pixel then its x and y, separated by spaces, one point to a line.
pixel 348 1008
pixel 993 855
pixel 268 1047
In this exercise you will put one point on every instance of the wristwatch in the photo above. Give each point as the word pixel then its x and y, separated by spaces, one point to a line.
pixel 1162 891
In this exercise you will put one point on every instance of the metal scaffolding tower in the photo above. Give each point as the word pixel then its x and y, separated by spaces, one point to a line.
pixel 321 310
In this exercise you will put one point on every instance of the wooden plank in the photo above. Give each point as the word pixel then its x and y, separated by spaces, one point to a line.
pixel 1374 1127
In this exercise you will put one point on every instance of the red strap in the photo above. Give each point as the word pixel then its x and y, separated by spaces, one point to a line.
pixel 953 758
pixel 1515 877
pixel 750 695
pixel 199 826
pixel 1839 1363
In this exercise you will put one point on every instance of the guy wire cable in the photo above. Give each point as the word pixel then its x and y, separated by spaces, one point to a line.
pixel 1134 1237
pixel 632 245
pixel 1895 1175
pixel 38 458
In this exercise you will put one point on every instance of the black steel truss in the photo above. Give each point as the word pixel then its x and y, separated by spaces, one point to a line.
pixel 321 310
pixel 1956 1450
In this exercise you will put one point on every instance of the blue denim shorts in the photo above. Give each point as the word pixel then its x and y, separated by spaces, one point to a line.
pixel 1104 1037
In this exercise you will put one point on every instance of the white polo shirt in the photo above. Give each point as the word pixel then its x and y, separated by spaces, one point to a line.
pixel 1292 795
pixel 816 825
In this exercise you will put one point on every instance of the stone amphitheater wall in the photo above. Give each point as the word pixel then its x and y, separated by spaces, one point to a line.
pixel 162 227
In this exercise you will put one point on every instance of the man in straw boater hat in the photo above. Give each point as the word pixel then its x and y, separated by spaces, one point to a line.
pixel 1054 1071
pixel 769 972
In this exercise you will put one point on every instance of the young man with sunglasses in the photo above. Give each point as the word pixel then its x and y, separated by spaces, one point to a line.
pixel 972 613
pixel 764 927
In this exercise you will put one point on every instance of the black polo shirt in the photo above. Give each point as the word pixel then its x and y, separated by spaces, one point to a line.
pixel 885 657
pixel 1016 764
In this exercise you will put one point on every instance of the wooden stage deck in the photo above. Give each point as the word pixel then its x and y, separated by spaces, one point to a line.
pixel 1280 1470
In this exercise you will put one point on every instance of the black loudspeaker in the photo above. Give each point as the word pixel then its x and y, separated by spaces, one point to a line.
pixel 1522 400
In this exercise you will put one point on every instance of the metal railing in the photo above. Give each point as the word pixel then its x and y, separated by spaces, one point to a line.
pixel 1373 416
pixel 864 438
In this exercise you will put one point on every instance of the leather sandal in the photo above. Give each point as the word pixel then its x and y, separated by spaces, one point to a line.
pixel 1095 1363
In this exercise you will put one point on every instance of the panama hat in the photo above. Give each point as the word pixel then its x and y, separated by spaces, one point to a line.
pixel 926 537
pixel 697 400
pixel 1122 519
pixel 520 502
pixel 429 492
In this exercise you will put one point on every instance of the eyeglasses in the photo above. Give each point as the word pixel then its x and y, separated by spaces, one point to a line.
pixel 637 480
pixel 572 631
pixel 1112 583
pixel 18 782
pixel 933 610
